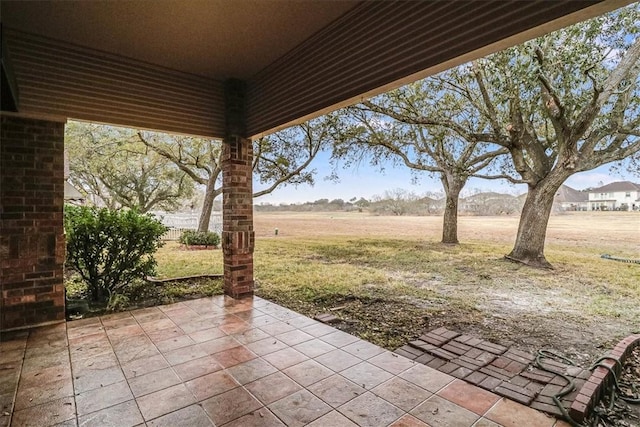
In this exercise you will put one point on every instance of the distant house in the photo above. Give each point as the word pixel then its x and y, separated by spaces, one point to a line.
pixel 569 199
pixel 617 196
pixel 72 195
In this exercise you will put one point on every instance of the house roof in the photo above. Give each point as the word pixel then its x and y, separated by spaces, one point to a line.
pixel 71 193
pixel 616 186
pixel 566 194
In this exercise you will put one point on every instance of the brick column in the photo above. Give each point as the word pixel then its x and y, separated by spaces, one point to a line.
pixel 32 245
pixel 238 238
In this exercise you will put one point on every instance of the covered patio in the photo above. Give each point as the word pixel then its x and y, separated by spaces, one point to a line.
pixel 225 362
pixel 230 70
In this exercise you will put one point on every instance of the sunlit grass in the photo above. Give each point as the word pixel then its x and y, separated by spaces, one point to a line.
pixel 176 261
pixel 307 270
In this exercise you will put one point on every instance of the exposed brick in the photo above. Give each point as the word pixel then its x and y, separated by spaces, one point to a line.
pixel 473 353
pixel 486 357
pixel 520 395
pixel 443 354
pixel 461 372
pixel 491 347
pixel 434 339
pixel 534 387
pixel 515 367
pixel 409 349
pixel 583 398
pixel 551 390
pixel 501 362
pixel 519 381
pixel 463 338
pixel 426 358
pixel 436 363
pixel 490 383
pixel 538 375
pixel 423 345
pixel 475 362
pixel 448 367
pixel 518 389
pixel 405 353
pixel 520 356
pixel 455 349
pixel 475 378
pixel 473 342
pixel 326 318
pixel 32 197
pixel 554 366
pixel 558 380
pixel 468 363
pixel 450 334
pixel 578 411
pixel 497 373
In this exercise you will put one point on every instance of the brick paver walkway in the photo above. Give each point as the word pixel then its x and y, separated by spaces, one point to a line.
pixel 507 372
pixel 221 362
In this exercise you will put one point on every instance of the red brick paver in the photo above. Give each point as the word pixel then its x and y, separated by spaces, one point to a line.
pixel 507 372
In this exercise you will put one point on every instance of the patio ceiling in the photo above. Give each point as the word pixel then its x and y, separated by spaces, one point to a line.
pixel 162 64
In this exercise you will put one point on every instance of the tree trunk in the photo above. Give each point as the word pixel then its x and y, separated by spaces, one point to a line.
pixel 207 205
pixel 452 188
pixel 532 230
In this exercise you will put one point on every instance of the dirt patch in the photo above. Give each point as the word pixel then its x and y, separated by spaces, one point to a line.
pixel 488 297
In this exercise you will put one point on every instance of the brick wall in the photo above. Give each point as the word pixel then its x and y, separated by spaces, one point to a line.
pixel 32 246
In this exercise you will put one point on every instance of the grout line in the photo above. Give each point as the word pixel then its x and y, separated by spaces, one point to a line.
pixel 73 382
pixel 15 393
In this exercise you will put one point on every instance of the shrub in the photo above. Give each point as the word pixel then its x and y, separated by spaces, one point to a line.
pixel 200 238
pixel 110 249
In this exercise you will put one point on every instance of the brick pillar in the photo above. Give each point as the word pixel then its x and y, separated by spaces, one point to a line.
pixel 32 245
pixel 238 239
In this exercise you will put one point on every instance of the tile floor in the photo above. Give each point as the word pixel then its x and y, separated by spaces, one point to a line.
pixel 221 362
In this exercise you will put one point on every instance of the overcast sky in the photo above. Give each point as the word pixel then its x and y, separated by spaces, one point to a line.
pixel 367 181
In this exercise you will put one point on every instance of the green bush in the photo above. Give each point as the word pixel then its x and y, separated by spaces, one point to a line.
pixel 111 249
pixel 200 238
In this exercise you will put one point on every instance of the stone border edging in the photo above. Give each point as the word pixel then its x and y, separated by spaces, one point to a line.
pixel 601 378
pixel 182 279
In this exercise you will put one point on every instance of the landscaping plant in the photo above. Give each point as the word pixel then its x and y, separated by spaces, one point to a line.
pixel 110 249
pixel 200 238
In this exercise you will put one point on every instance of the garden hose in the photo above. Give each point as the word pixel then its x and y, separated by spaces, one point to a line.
pixel 616 383
pixel 616 391
pixel 548 354
pixel 627 260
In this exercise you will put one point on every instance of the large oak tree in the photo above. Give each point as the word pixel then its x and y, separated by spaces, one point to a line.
pixel 393 125
pixel 564 103
pixel 112 167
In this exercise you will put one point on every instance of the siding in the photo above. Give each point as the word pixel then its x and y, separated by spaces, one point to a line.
pixel 59 79
pixel 378 43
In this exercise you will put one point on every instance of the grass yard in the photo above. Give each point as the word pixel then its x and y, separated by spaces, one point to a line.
pixel 388 278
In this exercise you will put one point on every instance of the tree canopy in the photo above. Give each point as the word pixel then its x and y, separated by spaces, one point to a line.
pixel 560 104
pixel 116 170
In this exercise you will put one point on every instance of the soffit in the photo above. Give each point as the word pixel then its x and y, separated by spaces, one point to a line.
pixel 211 38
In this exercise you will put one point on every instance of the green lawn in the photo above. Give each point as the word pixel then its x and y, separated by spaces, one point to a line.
pixel 398 283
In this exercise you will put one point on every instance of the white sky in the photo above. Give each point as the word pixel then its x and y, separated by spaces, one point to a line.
pixel 367 181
